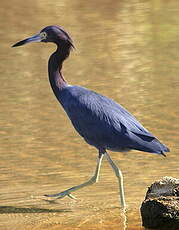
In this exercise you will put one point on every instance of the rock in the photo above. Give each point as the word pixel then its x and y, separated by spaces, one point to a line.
pixel 160 209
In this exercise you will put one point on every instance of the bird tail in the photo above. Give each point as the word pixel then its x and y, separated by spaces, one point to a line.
pixel 158 147
pixel 149 144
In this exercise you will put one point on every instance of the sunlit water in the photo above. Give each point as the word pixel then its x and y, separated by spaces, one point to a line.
pixel 126 50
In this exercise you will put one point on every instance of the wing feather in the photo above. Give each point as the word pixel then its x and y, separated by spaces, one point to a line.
pixel 103 122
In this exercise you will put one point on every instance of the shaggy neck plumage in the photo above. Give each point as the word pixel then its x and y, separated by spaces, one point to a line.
pixel 56 78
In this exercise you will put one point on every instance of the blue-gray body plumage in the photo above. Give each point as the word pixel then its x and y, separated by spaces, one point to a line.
pixel 104 123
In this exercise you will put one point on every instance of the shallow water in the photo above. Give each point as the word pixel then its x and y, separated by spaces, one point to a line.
pixel 126 51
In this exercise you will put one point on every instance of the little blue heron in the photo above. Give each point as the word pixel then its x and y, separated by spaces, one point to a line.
pixel 102 122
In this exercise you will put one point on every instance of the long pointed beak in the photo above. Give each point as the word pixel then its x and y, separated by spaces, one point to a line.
pixel 35 38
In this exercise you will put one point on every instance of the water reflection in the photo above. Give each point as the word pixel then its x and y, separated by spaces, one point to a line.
pixel 125 50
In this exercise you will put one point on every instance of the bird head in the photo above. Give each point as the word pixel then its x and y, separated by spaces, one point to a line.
pixel 53 34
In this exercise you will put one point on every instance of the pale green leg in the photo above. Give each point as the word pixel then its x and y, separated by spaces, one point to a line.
pixel 119 176
pixel 91 181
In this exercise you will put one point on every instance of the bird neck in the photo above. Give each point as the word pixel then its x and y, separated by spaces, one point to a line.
pixel 56 78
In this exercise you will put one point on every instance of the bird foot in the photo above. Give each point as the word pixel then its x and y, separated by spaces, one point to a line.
pixel 61 195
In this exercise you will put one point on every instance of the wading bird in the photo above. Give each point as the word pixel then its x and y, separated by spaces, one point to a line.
pixel 102 122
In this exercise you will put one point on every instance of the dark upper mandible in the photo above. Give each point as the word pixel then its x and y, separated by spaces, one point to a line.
pixel 54 34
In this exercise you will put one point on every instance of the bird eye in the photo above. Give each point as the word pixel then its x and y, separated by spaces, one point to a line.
pixel 43 35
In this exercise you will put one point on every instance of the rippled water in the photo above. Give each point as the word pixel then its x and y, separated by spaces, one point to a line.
pixel 126 50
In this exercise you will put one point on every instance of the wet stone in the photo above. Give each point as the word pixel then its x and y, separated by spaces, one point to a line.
pixel 160 209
